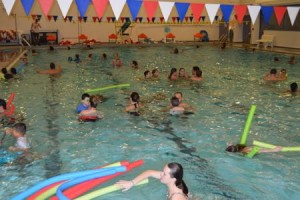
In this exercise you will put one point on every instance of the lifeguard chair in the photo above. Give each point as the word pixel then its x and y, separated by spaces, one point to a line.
pixel 198 37
pixel 170 37
pixel 112 38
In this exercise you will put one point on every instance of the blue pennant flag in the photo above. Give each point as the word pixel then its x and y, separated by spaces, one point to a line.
pixel 27 5
pixel 267 13
pixel 134 7
pixel 82 6
pixel 226 10
pixel 182 9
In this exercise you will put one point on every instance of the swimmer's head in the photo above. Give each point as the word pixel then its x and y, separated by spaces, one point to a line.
pixel 104 55
pixel 175 101
pixel 178 95
pixel 69 48
pixel 181 72
pixel 52 65
pixel 273 71
pixel 235 148
pixel 199 73
pixel 51 48
pixel 90 55
pixel 4 70
pixel 19 128
pixel 85 99
pixel 13 71
pixel 173 73
pixel 134 63
pixel 135 97
pixel 155 72
pixel 77 56
pixel 147 74
pixel 85 95
pixel 276 59
pixel 294 87
pixel 2 105
pixel 176 51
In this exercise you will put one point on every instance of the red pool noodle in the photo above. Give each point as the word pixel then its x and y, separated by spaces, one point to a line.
pixel 38 193
pixel 82 188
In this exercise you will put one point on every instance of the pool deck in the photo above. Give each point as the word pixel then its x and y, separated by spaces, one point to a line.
pixel 279 50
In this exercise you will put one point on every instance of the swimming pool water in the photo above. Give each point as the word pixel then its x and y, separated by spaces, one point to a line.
pixel 232 82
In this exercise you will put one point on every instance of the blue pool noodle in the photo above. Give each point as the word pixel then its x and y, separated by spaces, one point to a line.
pixel 73 182
pixel 58 178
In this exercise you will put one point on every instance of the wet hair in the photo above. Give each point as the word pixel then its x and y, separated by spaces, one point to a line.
pixel 93 104
pixel 3 103
pixel 173 70
pixel 235 148
pixel 52 65
pixel 20 127
pixel 176 51
pixel 197 46
pixel 25 55
pixel 68 48
pixel 135 63
pixel 154 70
pixel 51 48
pixel 176 171
pixel 135 97
pixel 273 71
pixel 175 101
pixel 294 87
pixel 13 71
pixel 146 73
pixel 196 68
pixel 199 73
pixel 90 55
pixel 4 71
pixel 283 70
pixel 104 55
pixel 276 59
pixel 85 95
pixel 76 56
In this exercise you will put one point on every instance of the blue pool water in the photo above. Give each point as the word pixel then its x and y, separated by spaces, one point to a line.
pixel 232 82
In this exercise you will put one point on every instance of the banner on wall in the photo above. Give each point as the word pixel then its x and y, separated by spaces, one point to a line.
pixel 226 10
pixel 293 12
pixel 64 6
pixel 82 6
pixel 253 11
pixel 100 6
pixel 134 7
pixel 212 10
pixel 182 9
pixel 8 5
pixel 267 13
pixel 150 7
pixel 197 9
pixel 46 6
pixel 27 5
pixel 166 8
pixel 117 7
pixel 240 11
pixel 279 13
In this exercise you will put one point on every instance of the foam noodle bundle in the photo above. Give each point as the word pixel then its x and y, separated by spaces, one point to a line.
pixel 105 190
pixel 271 146
pixel 248 124
pixel 107 88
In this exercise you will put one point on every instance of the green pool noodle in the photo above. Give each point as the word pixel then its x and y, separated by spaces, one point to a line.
pixel 248 124
pixel 105 190
pixel 271 146
pixel 253 152
pixel 107 88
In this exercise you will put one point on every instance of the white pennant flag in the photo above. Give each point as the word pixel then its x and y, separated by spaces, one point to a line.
pixel 64 6
pixel 253 11
pixel 8 4
pixel 293 11
pixel 166 8
pixel 117 7
pixel 212 10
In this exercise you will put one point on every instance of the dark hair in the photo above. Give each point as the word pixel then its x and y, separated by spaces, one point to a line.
pixel 104 55
pixel 93 104
pixel 20 127
pixel 4 70
pixel 135 97
pixel 176 51
pixel 90 55
pixel 283 70
pixel 146 73
pixel 84 95
pixel 52 65
pixel 25 54
pixel 294 87
pixel 13 71
pixel 176 171
pixel 68 47
pixel 196 68
pixel 235 148
pixel 199 73
pixel 51 48
pixel 3 103
pixel 276 59
pixel 135 63
pixel 175 101
pixel 273 71
pixel 154 70
pixel 173 70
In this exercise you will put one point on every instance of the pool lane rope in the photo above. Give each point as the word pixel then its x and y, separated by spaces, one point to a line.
pixel 271 146
pixel 107 88
pixel 248 125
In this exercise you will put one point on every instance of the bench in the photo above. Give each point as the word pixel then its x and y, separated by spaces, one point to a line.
pixel 266 40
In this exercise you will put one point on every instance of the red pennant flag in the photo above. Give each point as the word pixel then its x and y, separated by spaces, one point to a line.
pixel 186 19
pixel 148 19
pixel 33 17
pixel 161 19
pixel 95 18
pixel 122 19
pixel 49 17
pixel 108 19
pixel 240 11
pixel 150 7
pixel 197 10
pixel 279 13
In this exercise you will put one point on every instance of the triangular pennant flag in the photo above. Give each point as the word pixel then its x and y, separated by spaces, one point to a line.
pixel 174 19
pixel 64 6
pixel 117 7
pixel 70 18
pixel 182 9
pixel 108 19
pixel 153 19
pixel 8 5
pixel 46 6
pixel 122 19
pixel 226 10
pixel 267 13
pixel 27 5
pixel 113 19
pixel 134 7
pixel 191 19
pixel 99 19
pixel 197 9
pixel 79 19
pixel 49 17
pixel 65 19
pixel 203 18
pixel 100 6
pixel 279 13
pixel 293 12
pixel 166 8
pixel 216 18
pixel 240 11
pixel 39 17
pixel 186 19
pixel 148 19
pixel 127 19
pixel 150 7
pixel 85 19
pixel 33 17
pixel 94 19
pixel 140 19
pixel 178 19
pixel 253 11
pixel 55 17
pixel 161 19
pixel 82 6
pixel 212 10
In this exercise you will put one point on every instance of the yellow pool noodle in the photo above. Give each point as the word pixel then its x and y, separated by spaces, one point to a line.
pixel 271 146
pixel 107 88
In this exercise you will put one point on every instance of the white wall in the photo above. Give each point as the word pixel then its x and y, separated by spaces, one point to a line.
pixel 285 38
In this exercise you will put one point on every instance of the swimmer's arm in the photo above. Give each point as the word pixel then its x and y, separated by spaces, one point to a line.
pixel 126 185
pixel 276 149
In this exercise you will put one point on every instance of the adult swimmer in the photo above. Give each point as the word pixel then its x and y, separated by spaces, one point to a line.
pixel 54 70
pixel 181 103
pixel 135 104
pixel 171 176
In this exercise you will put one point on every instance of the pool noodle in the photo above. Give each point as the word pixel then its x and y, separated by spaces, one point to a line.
pixel 247 125
pixel 106 190
pixel 30 191
pixel 51 189
pixel 75 181
pixel 82 188
pixel 107 87
pixel 271 146
pixel 253 152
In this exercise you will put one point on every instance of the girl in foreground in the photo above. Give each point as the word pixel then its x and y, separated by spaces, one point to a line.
pixel 171 176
